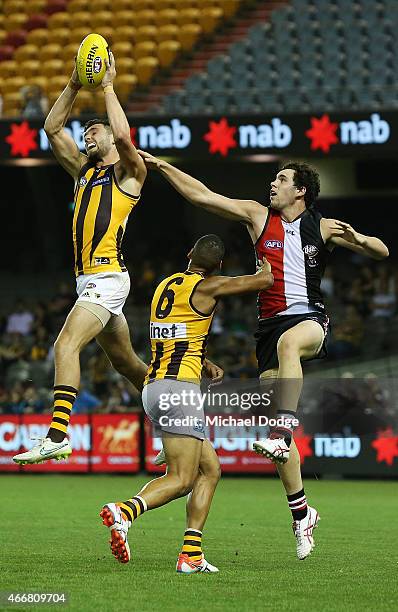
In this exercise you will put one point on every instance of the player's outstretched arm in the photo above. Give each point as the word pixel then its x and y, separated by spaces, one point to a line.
pixel 342 234
pixel 198 194
pixel 64 147
pixel 212 288
pixel 132 163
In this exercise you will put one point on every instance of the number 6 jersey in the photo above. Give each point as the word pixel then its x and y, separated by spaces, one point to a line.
pixel 178 331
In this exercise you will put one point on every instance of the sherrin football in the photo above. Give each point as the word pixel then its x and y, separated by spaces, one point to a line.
pixel 90 60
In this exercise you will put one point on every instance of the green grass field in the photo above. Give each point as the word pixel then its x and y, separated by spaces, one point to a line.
pixel 52 540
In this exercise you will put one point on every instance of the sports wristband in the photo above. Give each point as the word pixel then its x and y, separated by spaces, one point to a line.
pixel 108 89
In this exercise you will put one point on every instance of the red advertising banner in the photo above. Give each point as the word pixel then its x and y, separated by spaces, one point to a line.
pixel 115 443
pixel 101 443
pixel 9 442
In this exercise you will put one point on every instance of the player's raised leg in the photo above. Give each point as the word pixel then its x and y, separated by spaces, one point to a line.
pixel 183 456
pixel 302 341
pixel 115 341
pixel 80 327
pixel 198 506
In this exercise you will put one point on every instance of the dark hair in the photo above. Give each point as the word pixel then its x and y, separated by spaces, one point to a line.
pixel 104 122
pixel 208 252
pixel 308 177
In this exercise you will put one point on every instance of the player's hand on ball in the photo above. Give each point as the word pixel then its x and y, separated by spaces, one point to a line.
pixel 151 162
pixel 75 78
pixel 110 73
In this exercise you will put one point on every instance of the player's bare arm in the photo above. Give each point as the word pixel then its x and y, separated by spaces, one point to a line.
pixel 214 287
pixel 339 233
pixel 249 212
pixel 64 147
pixel 130 170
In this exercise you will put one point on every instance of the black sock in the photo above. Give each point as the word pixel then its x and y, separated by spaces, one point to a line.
pixel 298 505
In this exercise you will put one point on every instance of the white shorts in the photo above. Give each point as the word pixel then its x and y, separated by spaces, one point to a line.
pixel 108 289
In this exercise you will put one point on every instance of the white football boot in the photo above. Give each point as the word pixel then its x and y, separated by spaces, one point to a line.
pixel 303 530
pixel 275 449
pixel 160 458
pixel 186 566
pixel 112 517
pixel 43 451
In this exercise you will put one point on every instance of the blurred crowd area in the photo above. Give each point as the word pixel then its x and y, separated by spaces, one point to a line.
pixel 361 298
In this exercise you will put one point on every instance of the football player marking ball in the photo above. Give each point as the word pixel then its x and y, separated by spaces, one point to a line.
pixel 90 60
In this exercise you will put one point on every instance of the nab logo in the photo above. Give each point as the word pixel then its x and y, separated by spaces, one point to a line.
pixel 273 244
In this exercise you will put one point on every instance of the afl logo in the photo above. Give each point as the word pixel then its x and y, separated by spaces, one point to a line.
pixel 97 65
pixel 273 244
pixel 83 181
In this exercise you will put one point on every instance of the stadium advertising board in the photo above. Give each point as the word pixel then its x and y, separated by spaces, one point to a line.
pixel 101 443
pixel 228 137
pixel 340 453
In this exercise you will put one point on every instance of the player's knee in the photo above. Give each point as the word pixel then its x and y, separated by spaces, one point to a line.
pixel 287 346
pixel 65 344
pixel 185 484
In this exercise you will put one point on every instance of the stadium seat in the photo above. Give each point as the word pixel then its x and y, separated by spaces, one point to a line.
pixel 8 68
pixel 198 103
pixel 122 49
pixel 12 104
pixel 144 33
pixel 37 37
pixel 123 18
pixel 3 35
pixel 54 67
pixel 58 20
pixel 99 103
pixel 13 6
pixel 58 36
pixel 6 53
pixel 76 6
pixel 57 83
pixel 36 21
pixel 26 52
pixel 145 69
pixel 100 19
pixel 188 35
pixel 13 84
pixel 16 21
pixel 77 35
pixel 188 15
pixel 125 85
pixel 165 17
pixel 55 6
pixel 167 52
pixel 69 53
pixel 175 103
pixel 34 6
pixel 143 18
pixel 209 19
pixel 143 5
pixel 49 52
pixel 124 33
pixel 29 68
pixel 145 49
pixel 38 80
pixel 229 7
pixel 81 19
pixel 167 32
pixel 125 65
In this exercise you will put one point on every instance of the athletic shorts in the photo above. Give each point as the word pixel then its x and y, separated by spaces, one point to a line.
pixel 270 330
pixel 174 407
pixel 109 289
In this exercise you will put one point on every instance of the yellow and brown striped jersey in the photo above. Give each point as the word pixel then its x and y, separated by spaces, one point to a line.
pixel 100 216
pixel 178 331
